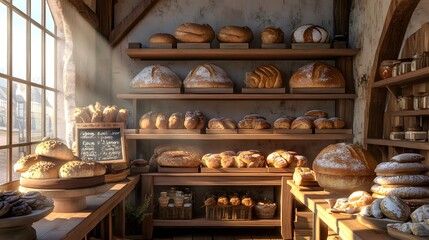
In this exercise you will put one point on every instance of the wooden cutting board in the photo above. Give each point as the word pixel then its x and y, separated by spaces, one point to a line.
pixel 62 183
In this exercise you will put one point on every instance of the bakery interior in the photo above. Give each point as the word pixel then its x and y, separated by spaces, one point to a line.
pixel 203 119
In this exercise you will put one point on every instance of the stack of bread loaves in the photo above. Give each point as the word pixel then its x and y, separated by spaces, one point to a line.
pixel 189 120
pixel 98 113
pixel 226 159
pixel 403 176
pixel 156 76
pixel 53 159
pixel 254 121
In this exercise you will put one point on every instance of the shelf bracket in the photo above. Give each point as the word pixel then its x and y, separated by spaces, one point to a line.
pixel 391 92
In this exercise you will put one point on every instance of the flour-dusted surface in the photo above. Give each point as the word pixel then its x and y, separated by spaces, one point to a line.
pixel 394 208
pixel 402 192
pixel 394 167
pixel 155 76
pixel 207 76
pixel 411 180
pixel 317 74
pixel 407 157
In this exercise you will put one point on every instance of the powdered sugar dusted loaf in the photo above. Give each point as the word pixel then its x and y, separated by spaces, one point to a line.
pixel 207 76
pixel 156 76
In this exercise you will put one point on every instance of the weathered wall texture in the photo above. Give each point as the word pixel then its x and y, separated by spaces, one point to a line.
pixel 366 23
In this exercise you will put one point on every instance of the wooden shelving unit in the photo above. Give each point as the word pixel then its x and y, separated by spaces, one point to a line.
pixel 236 96
pixel 301 137
pixel 239 54
pixel 202 222
pixel 411 113
pixel 402 144
pixel 414 77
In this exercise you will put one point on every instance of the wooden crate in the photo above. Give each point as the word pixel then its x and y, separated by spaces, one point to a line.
pixel 175 213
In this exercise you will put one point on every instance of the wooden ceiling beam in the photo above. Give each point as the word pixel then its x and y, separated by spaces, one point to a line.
pixel 129 22
pixel 104 9
pixel 86 12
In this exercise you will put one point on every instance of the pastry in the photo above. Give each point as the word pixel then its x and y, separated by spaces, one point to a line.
pixel 235 34
pixel 156 76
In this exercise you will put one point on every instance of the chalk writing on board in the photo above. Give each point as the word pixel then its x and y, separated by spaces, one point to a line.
pixel 100 144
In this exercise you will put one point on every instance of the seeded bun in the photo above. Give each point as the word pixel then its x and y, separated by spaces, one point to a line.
pixel 54 149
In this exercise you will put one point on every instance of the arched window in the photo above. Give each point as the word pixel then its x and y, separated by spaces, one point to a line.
pixel 28 79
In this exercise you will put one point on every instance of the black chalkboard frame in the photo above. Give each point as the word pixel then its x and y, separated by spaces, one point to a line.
pixel 103 126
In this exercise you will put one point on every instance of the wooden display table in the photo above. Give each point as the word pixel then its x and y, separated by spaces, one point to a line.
pixel 345 225
pixel 99 208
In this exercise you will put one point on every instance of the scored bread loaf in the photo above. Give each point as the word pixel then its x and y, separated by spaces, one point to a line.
pixel 54 149
pixel 211 160
pixel 161 121
pixel 265 76
pixel 176 121
pixel 179 158
pixel 272 35
pixel 207 76
pixel 254 124
pixel 194 33
pixel 316 114
pixel 323 123
pixel 235 34
pixel 317 75
pixel 148 120
pixel 310 33
pixel 156 76
pixel 302 122
pixel 251 158
pixel 222 123
pixel 394 208
pixel 338 122
pixel 283 122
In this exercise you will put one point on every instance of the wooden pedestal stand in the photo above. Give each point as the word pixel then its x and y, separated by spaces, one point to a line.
pixel 69 200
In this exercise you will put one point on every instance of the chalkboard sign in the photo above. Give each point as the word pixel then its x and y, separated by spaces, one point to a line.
pixel 101 142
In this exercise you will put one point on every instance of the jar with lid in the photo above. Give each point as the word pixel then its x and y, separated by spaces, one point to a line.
pixel 405 102
pixel 415 133
pixel 163 199
pixel 386 67
pixel 405 67
pixel 397 133
pixel 396 69
pixel 172 193
pixel 424 101
pixel 417 62
pixel 179 198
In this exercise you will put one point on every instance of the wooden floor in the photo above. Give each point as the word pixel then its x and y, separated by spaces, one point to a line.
pixel 216 233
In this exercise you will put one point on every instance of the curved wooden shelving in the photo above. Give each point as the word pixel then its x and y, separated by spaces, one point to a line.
pixel 414 77
pixel 239 54
pixel 202 222
pixel 402 144
pixel 298 137
pixel 237 96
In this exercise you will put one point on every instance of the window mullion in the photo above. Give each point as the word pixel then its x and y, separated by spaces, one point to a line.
pixel 9 93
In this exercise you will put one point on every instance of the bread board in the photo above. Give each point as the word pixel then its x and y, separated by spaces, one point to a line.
pixel 178 169
pixel 234 170
pixel 333 131
pixel 264 90
pixel 292 131
pixel 170 131
pixel 403 236
pixel 317 90
pixel 234 45
pixel 161 45
pixel 116 177
pixel 62 183
pixel 131 131
pixel 194 45
pixel 310 45
pixel 273 45
pixel 221 131
pixel 209 90
pixel 375 223
pixel 156 90
pixel 280 170
pixel 255 131
pixel 309 183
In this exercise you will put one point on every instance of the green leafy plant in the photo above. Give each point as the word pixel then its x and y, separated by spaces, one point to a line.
pixel 140 212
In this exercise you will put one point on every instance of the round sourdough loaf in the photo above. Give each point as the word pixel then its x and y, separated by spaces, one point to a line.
pixel 207 76
pixel 272 35
pixel 402 192
pixel 394 208
pixel 310 33
pixel 344 168
pixel 54 149
pixel 323 123
pixel 76 169
pixel 235 34
pixel 43 170
pixel 194 33
pixel 317 75
pixel 156 76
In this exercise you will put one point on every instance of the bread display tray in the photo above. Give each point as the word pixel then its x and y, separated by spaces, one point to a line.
pixel 333 131
pixel 221 131
pixel 131 131
pixel 170 131
pixel 403 236
pixel 193 45
pixel 160 45
pixel 263 90
pixel 155 90
pixel 234 45
pixel 273 45
pixel 317 90
pixel 209 90
pixel 234 170
pixel 255 131
pixel 178 169
pixel 375 223
pixel 310 45
pixel 61 183
pixel 280 170
pixel 292 131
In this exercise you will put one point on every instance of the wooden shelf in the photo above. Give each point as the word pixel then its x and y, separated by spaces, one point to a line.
pixel 411 113
pixel 417 76
pixel 238 96
pixel 402 144
pixel 202 222
pixel 301 137
pixel 239 54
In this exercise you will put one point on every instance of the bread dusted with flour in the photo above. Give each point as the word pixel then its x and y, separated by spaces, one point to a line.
pixel 156 76
pixel 208 76
pixel 310 33
pixel 317 75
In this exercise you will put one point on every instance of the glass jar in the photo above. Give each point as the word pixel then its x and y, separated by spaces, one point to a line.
pixel 417 62
pixel 386 68
pixel 179 199
pixel 172 193
pixel 163 199
pixel 395 69
pixel 405 102
pixel 405 67
pixel 424 101
pixel 397 133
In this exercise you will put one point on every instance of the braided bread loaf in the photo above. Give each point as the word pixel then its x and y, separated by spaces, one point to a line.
pixel 265 76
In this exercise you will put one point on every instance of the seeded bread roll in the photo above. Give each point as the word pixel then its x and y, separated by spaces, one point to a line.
pixel 148 120
pixel 272 35
pixel 235 34
pixel 176 121
pixel 207 76
pixel 54 149
pixel 158 38
pixel 76 169
pixel 24 163
pixel 161 121
pixel 43 170
pixel 194 33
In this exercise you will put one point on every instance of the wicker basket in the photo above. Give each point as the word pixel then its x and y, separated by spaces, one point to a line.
pixel 228 213
pixel 265 211
pixel 174 213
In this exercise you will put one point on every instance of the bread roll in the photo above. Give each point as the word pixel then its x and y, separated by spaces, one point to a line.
pixel 235 34
pixel 260 124
pixel 54 149
pixel 394 208
pixel 158 38
pixel 420 214
pixel 254 116
pixel 302 123
pixel 229 123
pixel 207 76
pixel 310 33
pixel 179 159
pixel 194 33
pixel 25 162
pixel 176 121
pixel 323 123
pixel 302 174
pixel 408 157
pixel 395 168
pixel 276 160
pixel 212 160
pixel 272 35
pixel 317 114
pixel 216 123
pixel 251 158
pixel 156 76
pixel 161 121
pixel 317 75
pixel 98 168
pixel 283 123
pixel 122 115
pixel 228 159
pixel 360 198
pixel 201 119
pixel 110 113
pixel 245 124
pixel 43 170
pixel 76 169
pixel 344 168
pixel 97 116
pixel 148 120
pixel 338 122
pixel 265 76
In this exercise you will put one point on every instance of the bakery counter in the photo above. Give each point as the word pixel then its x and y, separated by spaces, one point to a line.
pixel 278 180
pixel 345 225
pixel 77 225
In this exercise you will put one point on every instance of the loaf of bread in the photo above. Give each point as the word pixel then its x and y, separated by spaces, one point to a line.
pixel 395 168
pixel 251 158
pixel 97 117
pixel 278 159
pixel 179 158
pixel 194 33
pixel 302 174
pixel 283 123
pixel 43 170
pixel 421 214
pixel 110 113
pixel 122 115
pixel 323 123
pixel 317 114
pixel 82 115
pixel 211 160
pixel 235 34
pixel 254 116
pixel 162 121
pixel 176 121
pixel 98 168
pixel 317 75
pixel 76 169
pixel 24 163
pixel 376 208
pixel 310 33
pixel 207 76
pixel 420 229
pixel 302 123
pixel 338 122
pixel 222 123
pixel 272 35
pixel 253 124
pixel 159 38
pixel 265 76
pixel 54 149
pixel 408 157
pixel 148 120
pixel 156 76
pixel 344 168
pixel 394 208
pixel 360 199
pixel 403 180
pixel 406 192
pixel 228 159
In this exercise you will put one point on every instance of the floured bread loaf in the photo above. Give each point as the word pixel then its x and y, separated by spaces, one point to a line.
pixel 395 168
pixel 235 34
pixel 251 158
pixel 207 76
pixel 394 208
pixel 407 180
pixel 194 33
pixel 265 76
pixel 179 159
pixel 54 149
pixel 408 157
pixel 76 169
pixel 402 192
pixel 43 170
pixel 156 76
pixel 420 214
pixel 317 75
pixel 310 33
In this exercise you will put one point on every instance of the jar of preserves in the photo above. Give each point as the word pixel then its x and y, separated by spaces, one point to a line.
pixel 386 68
